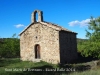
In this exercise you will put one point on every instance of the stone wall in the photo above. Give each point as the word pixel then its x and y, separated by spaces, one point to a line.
pixel 55 46
pixel 46 37
pixel 68 47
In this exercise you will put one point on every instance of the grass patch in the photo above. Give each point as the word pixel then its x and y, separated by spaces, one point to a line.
pixel 17 67
pixel 90 72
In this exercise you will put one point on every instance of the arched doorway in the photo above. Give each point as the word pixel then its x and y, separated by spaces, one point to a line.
pixel 37 51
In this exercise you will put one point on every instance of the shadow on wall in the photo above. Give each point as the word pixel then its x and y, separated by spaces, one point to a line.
pixel 68 47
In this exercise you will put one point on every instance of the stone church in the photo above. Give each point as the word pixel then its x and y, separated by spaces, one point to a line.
pixel 47 41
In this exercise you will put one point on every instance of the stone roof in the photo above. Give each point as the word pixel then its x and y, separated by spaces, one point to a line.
pixel 49 24
pixel 57 26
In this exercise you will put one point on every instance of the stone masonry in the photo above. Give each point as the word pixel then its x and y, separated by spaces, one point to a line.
pixel 47 41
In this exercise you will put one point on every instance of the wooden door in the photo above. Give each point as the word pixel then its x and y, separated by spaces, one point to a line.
pixel 37 51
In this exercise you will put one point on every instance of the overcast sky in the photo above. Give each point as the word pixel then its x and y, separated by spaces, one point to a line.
pixel 74 15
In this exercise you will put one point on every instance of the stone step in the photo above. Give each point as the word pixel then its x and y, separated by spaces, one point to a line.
pixel 37 60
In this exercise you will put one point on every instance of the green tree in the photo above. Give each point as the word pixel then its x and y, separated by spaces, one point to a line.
pixel 92 46
pixel 10 47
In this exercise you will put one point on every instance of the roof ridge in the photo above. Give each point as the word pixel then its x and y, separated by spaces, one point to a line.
pixel 58 26
pixel 53 25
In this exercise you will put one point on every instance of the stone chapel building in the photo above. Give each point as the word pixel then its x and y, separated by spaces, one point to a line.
pixel 47 41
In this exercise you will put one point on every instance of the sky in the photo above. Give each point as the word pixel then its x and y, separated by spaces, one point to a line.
pixel 74 15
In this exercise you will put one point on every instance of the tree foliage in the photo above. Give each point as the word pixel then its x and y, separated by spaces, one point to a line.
pixel 10 47
pixel 92 46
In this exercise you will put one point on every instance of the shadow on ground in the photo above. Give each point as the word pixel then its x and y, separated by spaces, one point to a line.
pixel 46 69
pixel 82 59
pixel 36 71
pixel 49 70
